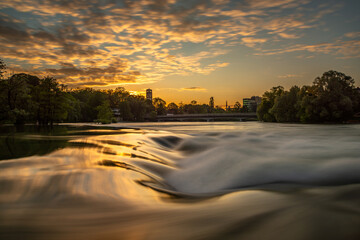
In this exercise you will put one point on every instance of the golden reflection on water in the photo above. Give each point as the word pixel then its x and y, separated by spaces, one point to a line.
pixel 102 168
pixel 119 186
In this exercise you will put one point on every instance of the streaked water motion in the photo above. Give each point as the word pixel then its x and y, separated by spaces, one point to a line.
pixel 181 181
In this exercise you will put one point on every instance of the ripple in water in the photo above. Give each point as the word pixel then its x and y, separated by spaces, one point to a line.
pixel 183 181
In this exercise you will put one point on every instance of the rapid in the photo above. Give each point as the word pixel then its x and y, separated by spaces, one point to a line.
pixel 210 180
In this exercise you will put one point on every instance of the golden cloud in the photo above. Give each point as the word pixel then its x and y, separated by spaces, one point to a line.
pixel 142 41
pixel 198 89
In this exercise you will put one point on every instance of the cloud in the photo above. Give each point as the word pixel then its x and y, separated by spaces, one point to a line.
pixel 116 72
pixel 79 40
pixel 262 4
pixel 252 42
pixel 197 89
pixel 342 49
pixel 352 35
pixel 289 76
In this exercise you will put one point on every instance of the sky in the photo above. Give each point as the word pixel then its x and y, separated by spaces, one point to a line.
pixel 182 49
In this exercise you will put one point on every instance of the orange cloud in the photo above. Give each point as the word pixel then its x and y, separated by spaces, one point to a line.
pixel 142 41
pixel 343 49
pixel 199 89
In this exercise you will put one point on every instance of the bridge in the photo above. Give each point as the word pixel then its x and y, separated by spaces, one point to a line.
pixel 207 117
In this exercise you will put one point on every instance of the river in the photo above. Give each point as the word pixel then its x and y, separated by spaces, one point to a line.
pixel 213 180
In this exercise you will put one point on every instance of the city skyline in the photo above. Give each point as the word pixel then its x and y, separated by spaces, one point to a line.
pixel 182 50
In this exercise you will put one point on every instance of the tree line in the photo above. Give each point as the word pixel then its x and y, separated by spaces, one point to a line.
pixel 26 98
pixel 332 97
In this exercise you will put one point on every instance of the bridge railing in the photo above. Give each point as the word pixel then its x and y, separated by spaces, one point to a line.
pixel 209 115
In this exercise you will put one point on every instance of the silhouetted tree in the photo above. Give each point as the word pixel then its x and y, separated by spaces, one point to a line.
pixel 331 98
pixel 335 97
pixel 16 99
pixel 211 104
pixel 53 105
pixel 138 107
pixel 159 105
pixel 268 100
pixel 237 107
pixel 172 108
pixel 286 106
pixel 219 109
pixel 2 68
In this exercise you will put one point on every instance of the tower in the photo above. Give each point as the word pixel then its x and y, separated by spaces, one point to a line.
pixel 149 94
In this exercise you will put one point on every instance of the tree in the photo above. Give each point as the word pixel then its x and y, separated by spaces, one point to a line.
pixel 267 102
pixel 211 104
pixel 16 99
pixel 89 99
pixel 237 107
pixel 2 68
pixel 74 108
pixel 172 108
pixel 219 109
pixel 117 96
pixel 52 104
pixel 104 113
pixel 159 105
pixel 331 98
pixel 138 107
pixel 181 108
pixel 335 97
pixel 286 106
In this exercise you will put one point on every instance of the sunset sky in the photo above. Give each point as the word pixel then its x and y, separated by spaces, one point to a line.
pixel 182 49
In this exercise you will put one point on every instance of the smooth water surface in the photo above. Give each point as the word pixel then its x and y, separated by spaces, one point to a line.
pixel 224 180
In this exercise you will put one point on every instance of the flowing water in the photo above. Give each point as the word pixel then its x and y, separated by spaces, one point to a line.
pixel 244 180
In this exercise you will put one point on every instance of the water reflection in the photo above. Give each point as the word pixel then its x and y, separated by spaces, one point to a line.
pixel 283 182
pixel 28 140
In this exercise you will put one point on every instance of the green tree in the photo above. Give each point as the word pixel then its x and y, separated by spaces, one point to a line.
pixel 16 99
pixel 286 106
pixel 335 97
pixel 331 98
pixel 267 102
pixel 74 108
pixel 52 104
pixel 117 96
pixel 105 114
pixel 125 110
pixel 89 99
pixel 138 107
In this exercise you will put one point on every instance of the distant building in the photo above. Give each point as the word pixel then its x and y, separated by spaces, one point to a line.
pixel 117 114
pixel 149 94
pixel 252 103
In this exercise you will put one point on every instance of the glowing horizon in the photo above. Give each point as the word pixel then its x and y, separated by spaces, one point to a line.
pixel 182 50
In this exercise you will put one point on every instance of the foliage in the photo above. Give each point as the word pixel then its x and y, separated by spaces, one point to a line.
pixel 211 104
pixel 2 68
pixel 332 98
pixel 267 102
pixel 159 105
pixel 285 108
pixel 237 107
pixel 105 113
pixel 172 108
